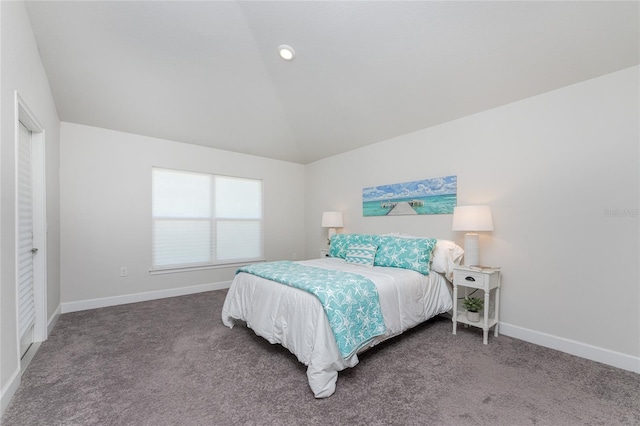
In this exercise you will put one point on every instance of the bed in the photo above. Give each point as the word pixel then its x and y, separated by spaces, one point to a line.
pixel 297 319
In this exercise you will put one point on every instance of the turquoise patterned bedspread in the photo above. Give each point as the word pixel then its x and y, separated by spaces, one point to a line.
pixel 350 300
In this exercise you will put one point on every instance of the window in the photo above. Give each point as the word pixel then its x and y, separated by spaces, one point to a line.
pixel 201 219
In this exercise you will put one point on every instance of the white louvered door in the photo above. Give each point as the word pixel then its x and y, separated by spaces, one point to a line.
pixel 26 251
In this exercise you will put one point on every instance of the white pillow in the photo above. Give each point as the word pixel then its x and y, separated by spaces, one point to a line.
pixel 446 254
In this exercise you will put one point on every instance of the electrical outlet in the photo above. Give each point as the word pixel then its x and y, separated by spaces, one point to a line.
pixel 123 271
pixel 294 256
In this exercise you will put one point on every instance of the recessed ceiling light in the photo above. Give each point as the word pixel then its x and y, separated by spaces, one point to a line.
pixel 286 52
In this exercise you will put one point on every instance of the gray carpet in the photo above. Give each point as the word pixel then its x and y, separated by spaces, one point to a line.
pixel 172 362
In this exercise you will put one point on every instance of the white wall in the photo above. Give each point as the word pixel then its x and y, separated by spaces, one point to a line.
pixel 105 201
pixel 550 167
pixel 22 70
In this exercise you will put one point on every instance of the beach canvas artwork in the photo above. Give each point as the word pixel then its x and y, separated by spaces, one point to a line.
pixel 428 196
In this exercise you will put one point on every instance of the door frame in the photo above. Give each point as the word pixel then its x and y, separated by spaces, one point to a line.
pixel 24 115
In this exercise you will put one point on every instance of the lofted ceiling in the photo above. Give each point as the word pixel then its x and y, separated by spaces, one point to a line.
pixel 208 72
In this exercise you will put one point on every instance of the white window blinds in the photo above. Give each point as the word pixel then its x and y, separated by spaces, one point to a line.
pixel 201 219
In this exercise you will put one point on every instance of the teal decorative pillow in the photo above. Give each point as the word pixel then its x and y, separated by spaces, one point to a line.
pixel 341 242
pixel 407 253
pixel 338 245
pixel 361 254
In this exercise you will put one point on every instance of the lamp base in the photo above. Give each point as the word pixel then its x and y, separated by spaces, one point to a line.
pixel 471 249
pixel 330 233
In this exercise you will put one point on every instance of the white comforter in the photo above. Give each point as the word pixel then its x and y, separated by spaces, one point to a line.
pixel 296 320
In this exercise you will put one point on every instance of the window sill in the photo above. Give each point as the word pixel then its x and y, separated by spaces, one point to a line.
pixel 173 270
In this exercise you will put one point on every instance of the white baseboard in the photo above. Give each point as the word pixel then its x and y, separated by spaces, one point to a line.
pixel 9 390
pixel 583 350
pixel 53 319
pixel 83 305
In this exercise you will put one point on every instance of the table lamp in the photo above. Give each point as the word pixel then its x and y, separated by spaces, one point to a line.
pixel 472 219
pixel 331 220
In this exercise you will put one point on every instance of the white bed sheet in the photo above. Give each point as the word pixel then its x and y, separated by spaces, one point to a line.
pixel 296 320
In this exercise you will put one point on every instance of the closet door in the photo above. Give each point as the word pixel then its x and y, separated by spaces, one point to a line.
pixel 26 251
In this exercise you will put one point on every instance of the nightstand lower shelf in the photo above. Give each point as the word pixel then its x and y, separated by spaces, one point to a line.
pixel 462 318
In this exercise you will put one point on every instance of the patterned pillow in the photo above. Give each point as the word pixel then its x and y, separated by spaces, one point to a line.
pixel 361 254
pixel 413 253
pixel 341 242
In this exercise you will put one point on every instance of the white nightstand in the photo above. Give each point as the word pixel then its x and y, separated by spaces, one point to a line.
pixel 482 279
pixel 324 253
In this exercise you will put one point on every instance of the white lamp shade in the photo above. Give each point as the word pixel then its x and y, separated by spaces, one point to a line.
pixel 472 218
pixel 332 220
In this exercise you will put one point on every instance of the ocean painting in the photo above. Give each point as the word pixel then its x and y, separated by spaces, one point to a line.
pixel 428 196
